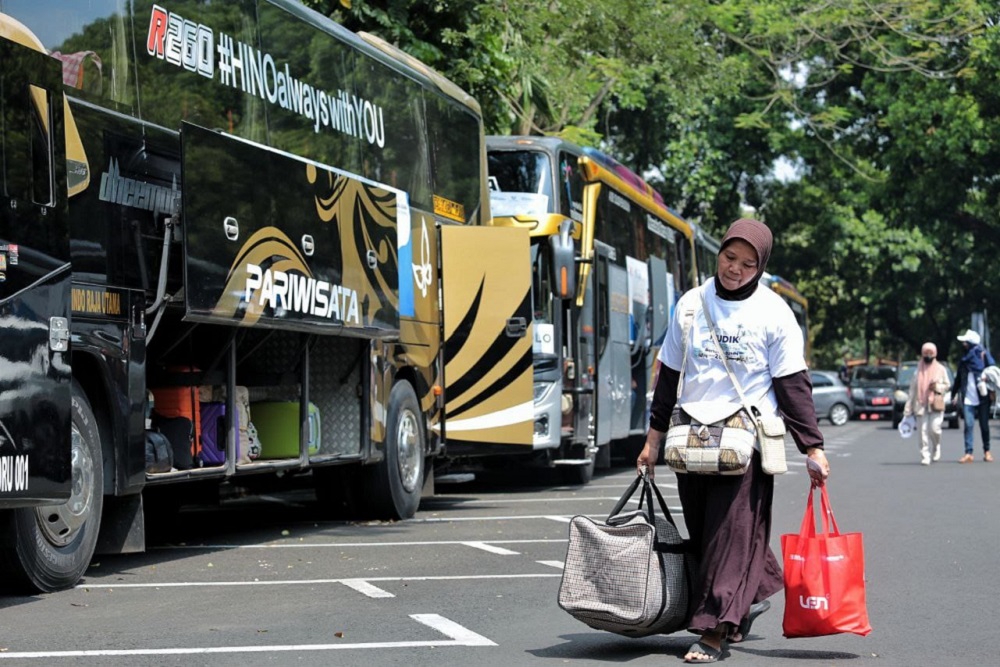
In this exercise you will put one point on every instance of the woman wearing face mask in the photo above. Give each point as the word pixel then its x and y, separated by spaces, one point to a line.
pixel 926 402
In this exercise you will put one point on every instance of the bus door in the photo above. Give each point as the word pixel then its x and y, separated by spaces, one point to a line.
pixel 614 378
pixel 660 295
pixel 488 335
pixel 35 431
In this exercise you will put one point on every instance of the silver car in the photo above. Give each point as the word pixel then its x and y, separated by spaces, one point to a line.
pixel 831 397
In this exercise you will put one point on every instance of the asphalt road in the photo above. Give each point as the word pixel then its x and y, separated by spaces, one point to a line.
pixel 473 579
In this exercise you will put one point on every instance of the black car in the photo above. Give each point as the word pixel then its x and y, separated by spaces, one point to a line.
pixel 872 388
pixel 903 378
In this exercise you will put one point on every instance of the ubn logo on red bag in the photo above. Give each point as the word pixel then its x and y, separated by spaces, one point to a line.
pixel 814 602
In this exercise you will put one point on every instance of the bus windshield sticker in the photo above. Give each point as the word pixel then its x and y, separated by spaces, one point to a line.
pixel 504 204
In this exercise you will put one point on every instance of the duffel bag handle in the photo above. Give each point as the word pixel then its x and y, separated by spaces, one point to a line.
pixel 648 488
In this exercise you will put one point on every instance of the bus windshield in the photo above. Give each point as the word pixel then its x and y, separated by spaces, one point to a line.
pixel 520 183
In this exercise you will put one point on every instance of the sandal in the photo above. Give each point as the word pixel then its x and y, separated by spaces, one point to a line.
pixel 743 631
pixel 966 459
pixel 988 457
pixel 712 654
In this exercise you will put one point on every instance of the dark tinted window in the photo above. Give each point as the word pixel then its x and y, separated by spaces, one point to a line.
pixel 454 135
pixel 613 223
pixel 570 186
pixel 520 183
pixel 820 380
pixel 317 117
pixel 92 39
pixel 874 374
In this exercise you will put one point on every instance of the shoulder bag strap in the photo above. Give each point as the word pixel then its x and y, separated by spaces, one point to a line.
pixel 686 321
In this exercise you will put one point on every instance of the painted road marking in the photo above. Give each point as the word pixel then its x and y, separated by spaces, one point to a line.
pixel 608 486
pixel 492 549
pixel 505 501
pixel 327 545
pixel 457 636
pixel 313 582
pixel 362 586
pixel 558 564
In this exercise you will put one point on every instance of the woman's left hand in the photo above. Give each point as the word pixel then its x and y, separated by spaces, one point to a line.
pixel 818 466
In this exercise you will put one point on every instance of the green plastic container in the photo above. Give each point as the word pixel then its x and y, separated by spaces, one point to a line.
pixel 277 424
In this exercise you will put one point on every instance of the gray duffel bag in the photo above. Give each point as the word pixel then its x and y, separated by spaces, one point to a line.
pixel 627 575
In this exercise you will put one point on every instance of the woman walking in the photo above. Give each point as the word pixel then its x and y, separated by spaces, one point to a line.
pixel 729 517
pixel 926 402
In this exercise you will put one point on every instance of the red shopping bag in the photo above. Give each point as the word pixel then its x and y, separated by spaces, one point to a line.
pixel 824 578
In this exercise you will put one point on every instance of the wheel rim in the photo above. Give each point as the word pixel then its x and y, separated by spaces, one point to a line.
pixel 408 449
pixel 60 524
pixel 838 415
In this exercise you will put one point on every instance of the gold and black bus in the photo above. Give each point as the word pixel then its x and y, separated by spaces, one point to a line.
pixel 237 241
pixel 594 349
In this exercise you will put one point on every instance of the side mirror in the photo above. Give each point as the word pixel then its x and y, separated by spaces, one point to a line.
pixel 563 261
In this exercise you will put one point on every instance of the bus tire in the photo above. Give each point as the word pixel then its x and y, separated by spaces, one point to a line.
pixel 397 480
pixel 578 475
pixel 49 548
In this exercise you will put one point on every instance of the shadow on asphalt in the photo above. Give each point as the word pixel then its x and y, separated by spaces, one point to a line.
pixel 604 647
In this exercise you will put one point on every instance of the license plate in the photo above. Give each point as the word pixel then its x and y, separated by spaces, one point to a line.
pixel 880 400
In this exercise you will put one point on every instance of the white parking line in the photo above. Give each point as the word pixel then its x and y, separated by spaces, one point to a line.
pixel 505 501
pixel 309 582
pixel 362 586
pixel 558 564
pixel 492 549
pixel 660 485
pixel 327 545
pixel 457 636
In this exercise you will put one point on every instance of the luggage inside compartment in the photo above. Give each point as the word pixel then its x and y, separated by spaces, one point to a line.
pixel 274 371
pixel 277 424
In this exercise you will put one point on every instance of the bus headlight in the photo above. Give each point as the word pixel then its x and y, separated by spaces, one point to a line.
pixel 542 427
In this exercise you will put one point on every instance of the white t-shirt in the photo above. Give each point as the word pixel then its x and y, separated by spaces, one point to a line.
pixel 760 338
pixel 971 391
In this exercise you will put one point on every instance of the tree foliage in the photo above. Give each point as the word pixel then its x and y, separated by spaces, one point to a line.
pixel 887 110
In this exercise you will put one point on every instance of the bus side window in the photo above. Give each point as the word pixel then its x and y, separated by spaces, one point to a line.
pixel 455 157
pixel 42 159
pixel 27 148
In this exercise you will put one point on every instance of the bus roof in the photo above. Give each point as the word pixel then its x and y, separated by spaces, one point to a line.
pixel 649 200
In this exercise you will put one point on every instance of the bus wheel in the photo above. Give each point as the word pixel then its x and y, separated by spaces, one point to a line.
pixel 578 475
pixel 53 545
pixel 398 479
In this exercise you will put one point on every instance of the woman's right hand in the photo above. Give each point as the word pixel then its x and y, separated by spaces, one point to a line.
pixel 650 452
pixel 647 459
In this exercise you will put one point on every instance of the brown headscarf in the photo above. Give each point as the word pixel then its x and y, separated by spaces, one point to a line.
pixel 928 373
pixel 758 235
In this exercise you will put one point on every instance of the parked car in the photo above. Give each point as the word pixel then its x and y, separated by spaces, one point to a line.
pixel 903 378
pixel 872 389
pixel 831 398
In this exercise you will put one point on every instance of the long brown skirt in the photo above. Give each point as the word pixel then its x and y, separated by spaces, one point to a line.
pixel 729 522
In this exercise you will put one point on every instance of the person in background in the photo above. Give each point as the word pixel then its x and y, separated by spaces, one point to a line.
pixel 926 402
pixel 975 404
pixel 729 517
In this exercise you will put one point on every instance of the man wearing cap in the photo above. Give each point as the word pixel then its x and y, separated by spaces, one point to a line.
pixel 975 407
